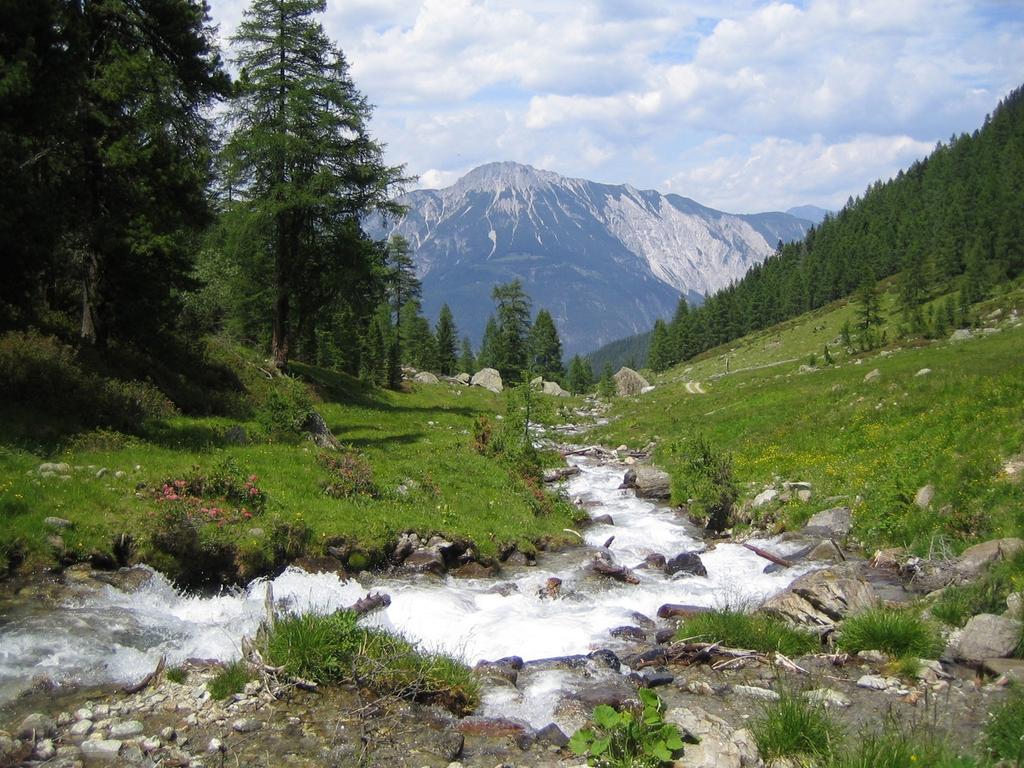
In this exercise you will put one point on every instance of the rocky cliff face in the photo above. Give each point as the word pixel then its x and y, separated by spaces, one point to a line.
pixel 605 260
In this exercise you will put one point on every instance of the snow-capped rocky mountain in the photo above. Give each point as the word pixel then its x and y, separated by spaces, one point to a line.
pixel 605 260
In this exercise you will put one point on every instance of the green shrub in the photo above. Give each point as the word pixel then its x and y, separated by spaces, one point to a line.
pixel 350 475
pixel 626 739
pixel 896 631
pixel 177 675
pixel 752 631
pixel 283 406
pixel 795 727
pixel 1004 732
pixel 706 481
pixel 230 680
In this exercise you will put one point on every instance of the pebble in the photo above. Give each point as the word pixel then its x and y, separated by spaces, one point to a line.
pixel 101 710
pixel 44 750
pixel 64 719
pixel 80 729
pixel 150 745
pixel 764 694
pixel 126 729
pixel 246 725
pixel 827 697
pixel 873 682
pixel 215 745
pixel 83 714
pixel 168 734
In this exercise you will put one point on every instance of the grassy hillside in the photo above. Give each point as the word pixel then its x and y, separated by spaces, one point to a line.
pixel 864 441
pixel 408 464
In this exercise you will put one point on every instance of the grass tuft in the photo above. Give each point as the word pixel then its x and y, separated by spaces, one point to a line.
pixel 1004 732
pixel 315 647
pixel 230 680
pixel 898 632
pixel 896 747
pixel 795 727
pixel 752 631
pixel 177 675
pixel 988 594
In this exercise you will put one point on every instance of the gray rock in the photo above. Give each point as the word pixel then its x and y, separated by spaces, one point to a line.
pixel 827 697
pixel 719 746
pixel 648 482
pixel 835 522
pixel 426 377
pixel 102 750
pixel 874 375
pixel 873 682
pixel 552 734
pixel 488 378
pixel 215 745
pixel 552 388
pixel 80 730
pixel 961 334
pixel 464 378
pixel 246 725
pixel 101 472
pixel 987 636
pixel 826 551
pixel 44 750
pixel 319 433
pixel 923 497
pixel 1015 606
pixel 560 473
pixel 54 468
pixel 59 523
pixel 126 730
pixel 629 382
pixel 37 726
pixel 754 692
pixel 923 372
pixel 686 562
pixel 822 598
pixel 766 496
pixel 1011 669
pixel 426 560
pixel 974 560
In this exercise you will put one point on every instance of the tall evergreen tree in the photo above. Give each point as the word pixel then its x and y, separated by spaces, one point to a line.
pixel 445 337
pixel 545 348
pixel 659 353
pixel 400 279
pixel 490 345
pixel 301 165
pixel 105 156
pixel 416 343
pixel 513 326
pixel 467 363
pixel 580 377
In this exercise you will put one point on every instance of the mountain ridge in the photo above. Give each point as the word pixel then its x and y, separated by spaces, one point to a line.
pixel 606 260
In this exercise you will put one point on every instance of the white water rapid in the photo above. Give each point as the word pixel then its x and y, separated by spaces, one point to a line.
pixel 113 636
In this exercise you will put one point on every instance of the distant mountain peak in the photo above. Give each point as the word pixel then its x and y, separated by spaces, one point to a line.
pixel 506 175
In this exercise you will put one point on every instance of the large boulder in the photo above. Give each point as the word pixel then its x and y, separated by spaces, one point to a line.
pixel 464 378
pixel 488 378
pixel 552 388
pixel 648 482
pixel 987 636
pixel 835 523
pixel 629 382
pixel 426 377
pixel 718 745
pixel 974 560
pixel 822 598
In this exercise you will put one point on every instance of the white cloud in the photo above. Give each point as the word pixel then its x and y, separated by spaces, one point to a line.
pixel 627 90
pixel 789 172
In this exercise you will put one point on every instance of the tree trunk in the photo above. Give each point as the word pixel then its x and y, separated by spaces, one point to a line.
pixel 281 340
pixel 90 324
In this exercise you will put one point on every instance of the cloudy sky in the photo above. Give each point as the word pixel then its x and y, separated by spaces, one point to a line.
pixel 742 105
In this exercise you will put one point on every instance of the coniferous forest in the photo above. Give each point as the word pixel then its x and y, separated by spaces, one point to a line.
pixel 949 223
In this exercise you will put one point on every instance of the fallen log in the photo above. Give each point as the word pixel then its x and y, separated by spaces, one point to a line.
pixel 371 602
pixel 769 556
pixel 687 653
pixel 618 572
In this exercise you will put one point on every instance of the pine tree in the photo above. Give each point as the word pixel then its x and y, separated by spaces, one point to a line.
pixel 490 345
pixel 400 279
pixel 580 376
pixel 545 348
pixel 445 336
pixel 417 346
pixel 467 363
pixel 302 168
pixel 658 353
pixel 606 386
pixel 513 327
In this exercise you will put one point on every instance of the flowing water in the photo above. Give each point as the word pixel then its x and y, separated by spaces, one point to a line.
pixel 109 635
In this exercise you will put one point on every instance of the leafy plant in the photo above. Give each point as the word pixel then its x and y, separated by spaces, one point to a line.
pixel 706 481
pixel 350 475
pixel 626 739
pixel 753 631
pixel 896 631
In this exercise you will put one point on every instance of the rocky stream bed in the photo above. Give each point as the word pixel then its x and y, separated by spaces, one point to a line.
pixel 551 638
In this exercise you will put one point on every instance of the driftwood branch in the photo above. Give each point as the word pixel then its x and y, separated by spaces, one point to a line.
pixel 769 556
pixel 144 682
